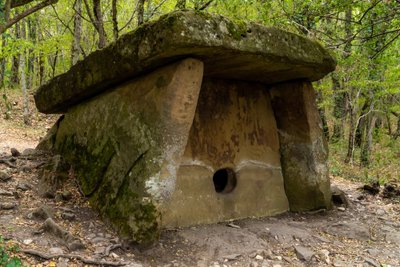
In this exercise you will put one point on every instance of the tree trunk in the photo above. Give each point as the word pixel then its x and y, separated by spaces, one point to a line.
pixel 366 149
pixel 350 146
pixel 41 56
pixel 99 25
pixel 140 12
pixel 397 133
pixel 339 110
pixel 76 42
pixel 321 111
pixel 180 4
pixel 31 55
pixel 26 113
pixel 16 59
pixel 115 19
pixel 3 63
pixel 389 124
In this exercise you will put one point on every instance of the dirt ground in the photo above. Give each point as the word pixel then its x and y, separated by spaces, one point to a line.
pixel 366 233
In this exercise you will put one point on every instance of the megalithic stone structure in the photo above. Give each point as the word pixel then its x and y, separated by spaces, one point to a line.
pixel 193 119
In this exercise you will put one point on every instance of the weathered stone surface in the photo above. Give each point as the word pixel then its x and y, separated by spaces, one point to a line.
pixel 240 51
pixel 339 197
pixel 233 128
pixel 349 230
pixel 126 145
pixel 303 253
pixel 303 148
pixel 54 173
pixel 4 176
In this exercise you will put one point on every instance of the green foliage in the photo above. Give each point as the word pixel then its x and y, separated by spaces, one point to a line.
pixel 6 255
pixel 366 48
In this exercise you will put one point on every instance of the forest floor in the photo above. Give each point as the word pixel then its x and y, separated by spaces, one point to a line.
pixel 364 233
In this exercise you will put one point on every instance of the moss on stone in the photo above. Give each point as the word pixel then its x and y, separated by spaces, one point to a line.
pixel 271 54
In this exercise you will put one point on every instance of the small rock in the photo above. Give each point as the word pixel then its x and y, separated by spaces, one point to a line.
pixel 232 257
pixel 7 206
pixel 134 265
pixel 66 195
pixel 28 241
pixel 276 265
pixel 76 245
pixel 393 237
pixel 380 212
pixel 303 253
pixel 339 197
pixel 25 168
pixel 58 197
pixel 41 213
pixel 353 230
pixel 115 256
pixel 68 216
pixel 279 258
pixel 371 262
pixel 56 250
pixel 324 255
pixel 373 252
pixel 4 176
pixel 15 152
pixel 91 236
pixel 29 152
pixel 233 225
pixel 63 262
pixel 98 239
pixel 99 250
pixel 23 186
pixel 341 209
pixel 254 264
pixel 6 193
pixel 259 257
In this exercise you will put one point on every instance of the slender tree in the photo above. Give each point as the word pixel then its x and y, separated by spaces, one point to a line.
pixel 140 12
pixel 180 4
pixel 97 20
pixel 76 48
pixel 115 19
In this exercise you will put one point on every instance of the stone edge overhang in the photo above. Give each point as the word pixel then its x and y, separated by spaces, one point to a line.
pixel 229 50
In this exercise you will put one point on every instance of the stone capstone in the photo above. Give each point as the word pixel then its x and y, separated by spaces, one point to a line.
pixel 228 49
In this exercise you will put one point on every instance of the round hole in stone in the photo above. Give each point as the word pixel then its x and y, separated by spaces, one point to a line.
pixel 224 180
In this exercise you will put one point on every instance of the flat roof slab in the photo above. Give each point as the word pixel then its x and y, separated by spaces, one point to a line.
pixel 229 50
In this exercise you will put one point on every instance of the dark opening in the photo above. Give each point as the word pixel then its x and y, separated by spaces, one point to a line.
pixel 224 180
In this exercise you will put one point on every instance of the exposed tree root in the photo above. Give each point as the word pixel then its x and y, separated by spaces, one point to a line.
pixel 47 256
pixel 111 248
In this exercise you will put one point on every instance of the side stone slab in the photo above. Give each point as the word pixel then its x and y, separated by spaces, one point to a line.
pixel 304 151
pixel 126 145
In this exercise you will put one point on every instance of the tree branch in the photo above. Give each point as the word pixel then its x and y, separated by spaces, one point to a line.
pixel 205 5
pixel 26 13
pixel 17 3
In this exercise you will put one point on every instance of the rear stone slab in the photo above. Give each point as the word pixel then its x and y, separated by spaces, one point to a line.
pixel 193 119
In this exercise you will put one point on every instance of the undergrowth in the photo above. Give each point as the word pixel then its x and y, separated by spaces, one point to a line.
pixel 8 257
pixel 384 161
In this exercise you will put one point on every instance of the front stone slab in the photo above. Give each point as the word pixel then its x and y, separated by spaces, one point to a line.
pixel 233 137
pixel 304 151
pixel 126 145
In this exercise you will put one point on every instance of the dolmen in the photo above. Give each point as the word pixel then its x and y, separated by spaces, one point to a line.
pixel 193 119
